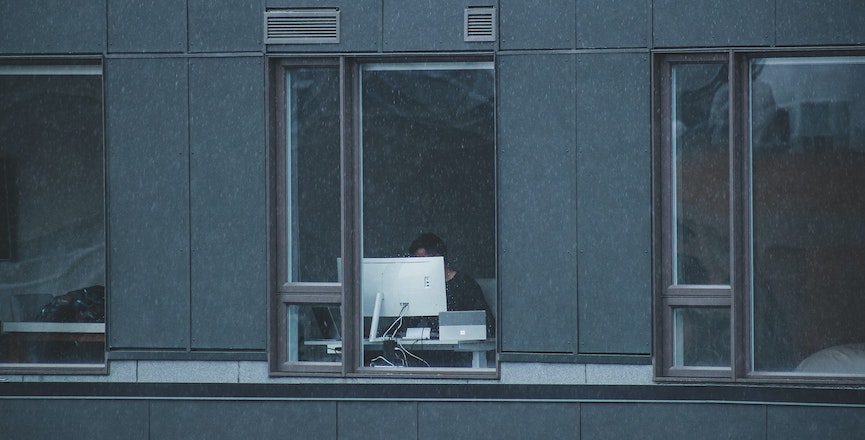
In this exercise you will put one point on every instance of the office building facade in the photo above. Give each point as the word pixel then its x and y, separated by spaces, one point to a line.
pixel 661 202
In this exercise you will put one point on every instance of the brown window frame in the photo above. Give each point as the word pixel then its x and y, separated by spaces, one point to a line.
pixel 667 294
pixel 737 296
pixel 344 294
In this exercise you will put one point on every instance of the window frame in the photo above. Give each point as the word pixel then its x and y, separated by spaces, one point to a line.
pixel 738 295
pixel 72 66
pixel 347 293
pixel 286 293
pixel 669 295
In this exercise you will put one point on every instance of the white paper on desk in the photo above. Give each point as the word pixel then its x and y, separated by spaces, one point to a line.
pixel 417 333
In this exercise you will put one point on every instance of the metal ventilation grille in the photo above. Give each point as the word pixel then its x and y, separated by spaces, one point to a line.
pixel 301 26
pixel 480 24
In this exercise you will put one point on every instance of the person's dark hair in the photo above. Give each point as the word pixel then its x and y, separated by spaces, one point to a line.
pixel 431 243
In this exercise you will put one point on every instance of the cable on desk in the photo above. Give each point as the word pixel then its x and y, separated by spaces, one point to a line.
pixel 405 351
pixel 397 320
pixel 380 358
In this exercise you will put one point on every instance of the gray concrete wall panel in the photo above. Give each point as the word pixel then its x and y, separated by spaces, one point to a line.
pixel 73 419
pixel 614 215
pixel 537 24
pixel 52 26
pixel 676 420
pixel 421 25
pixel 800 422
pixel 147 26
pixel 191 420
pixel 712 23
pixel 808 23
pixel 225 25
pixel 365 420
pixel 606 24
pixel 148 202
pixel 449 409
pixel 227 197
pixel 537 203
pixel 499 420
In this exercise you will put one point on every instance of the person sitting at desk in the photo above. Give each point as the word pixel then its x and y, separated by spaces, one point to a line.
pixel 461 290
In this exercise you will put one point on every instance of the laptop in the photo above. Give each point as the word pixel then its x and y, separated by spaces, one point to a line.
pixel 464 325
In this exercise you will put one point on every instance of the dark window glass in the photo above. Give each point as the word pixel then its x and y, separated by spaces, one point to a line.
pixel 312 178
pixel 796 227
pixel 428 161
pixel 701 336
pixel 53 276
pixel 309 189
pixel 808 201
pixel 314 333
pixel 700 171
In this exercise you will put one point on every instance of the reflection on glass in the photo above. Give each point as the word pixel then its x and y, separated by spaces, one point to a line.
pixel 701 337
pixel 312 186
pixel 314 333
pixel 700 174
pixel 428 165
pixel 52 252
pixel 808 203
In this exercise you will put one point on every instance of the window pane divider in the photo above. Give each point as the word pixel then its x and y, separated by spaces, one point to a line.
pixel 698 290
pixel 698 301
pixel 698 295
pixel 304 298
pixel 717 372
pixel 309 288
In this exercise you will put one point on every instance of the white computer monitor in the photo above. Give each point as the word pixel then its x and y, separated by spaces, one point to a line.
pixel 409 286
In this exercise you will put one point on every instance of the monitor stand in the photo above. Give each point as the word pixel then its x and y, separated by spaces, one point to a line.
pixel 376 314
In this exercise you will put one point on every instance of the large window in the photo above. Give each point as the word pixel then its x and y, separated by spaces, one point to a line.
pixel 52 218
pixel 378 162
pixel 761 262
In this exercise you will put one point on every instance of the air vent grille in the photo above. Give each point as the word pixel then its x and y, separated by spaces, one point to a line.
pixel 301 26
pixel 480 24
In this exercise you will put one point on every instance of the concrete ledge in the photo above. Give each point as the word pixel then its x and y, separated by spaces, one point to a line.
pixel 727 394
pixel 187 372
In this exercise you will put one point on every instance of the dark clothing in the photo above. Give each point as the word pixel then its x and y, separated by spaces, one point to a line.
pixel 464 293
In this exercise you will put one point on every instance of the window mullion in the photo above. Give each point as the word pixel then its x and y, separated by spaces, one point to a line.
pixel 351 183
pixel 739 218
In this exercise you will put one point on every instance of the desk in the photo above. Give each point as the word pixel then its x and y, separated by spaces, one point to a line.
pixel 478 349
pixel 20 333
